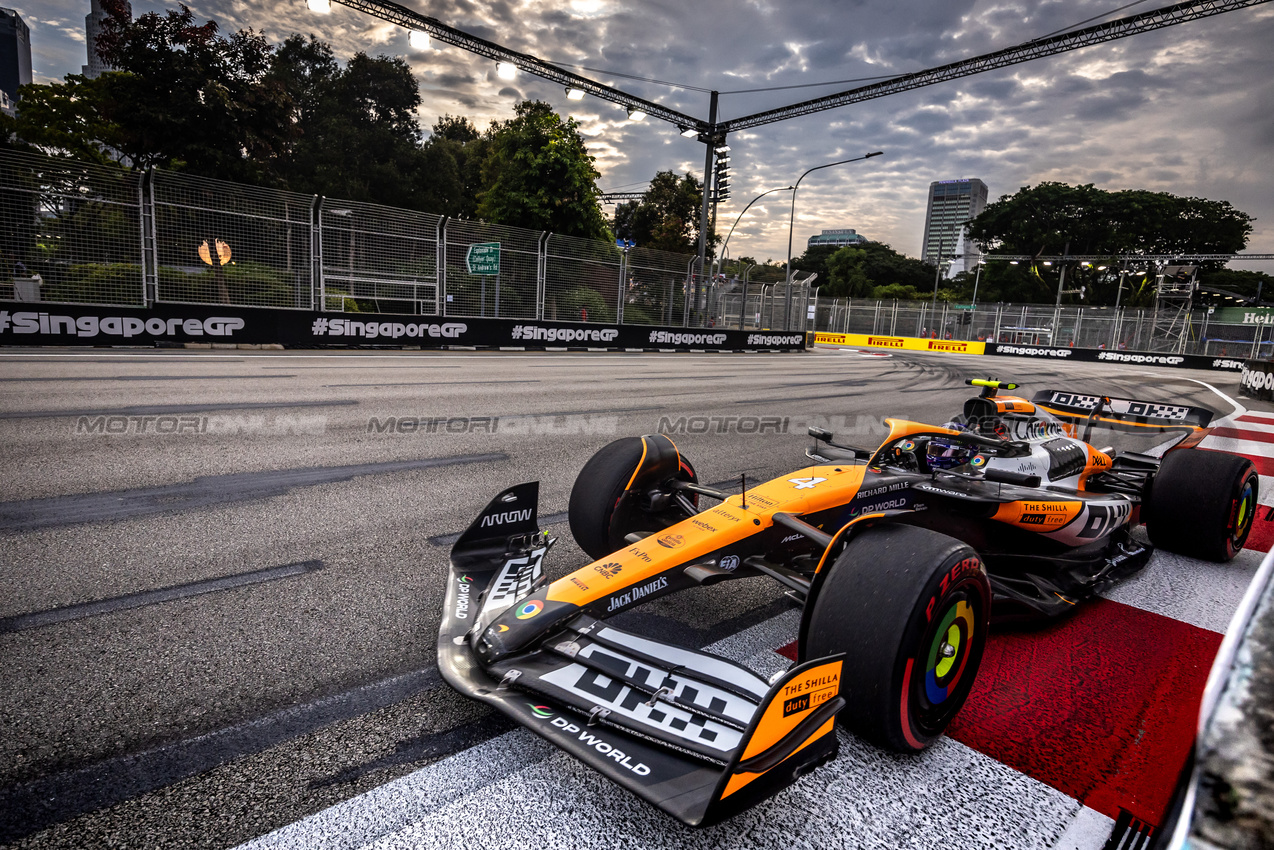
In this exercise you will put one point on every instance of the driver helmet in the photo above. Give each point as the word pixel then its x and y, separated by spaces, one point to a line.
pixel 944 453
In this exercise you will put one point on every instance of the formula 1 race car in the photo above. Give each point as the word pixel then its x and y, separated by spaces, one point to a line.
pixel 901 555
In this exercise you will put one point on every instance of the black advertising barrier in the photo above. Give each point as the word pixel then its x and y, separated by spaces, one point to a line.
pixel 1101 355
pixel 1258 380
pixel 24 323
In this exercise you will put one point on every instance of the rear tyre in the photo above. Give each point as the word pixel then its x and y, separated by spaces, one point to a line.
pixel 1202 504
pixel 909 607
pixel 597 491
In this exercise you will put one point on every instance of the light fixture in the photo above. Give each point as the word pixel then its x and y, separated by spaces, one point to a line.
pixel 723 147
pixel 689 132
pixel 1012 262
pixel 636 115
pixel 323 7
pixel 418 40
pixel 1048 262
pixel 573 93
pixel 506 70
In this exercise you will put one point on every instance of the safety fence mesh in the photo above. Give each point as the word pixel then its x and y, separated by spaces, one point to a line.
pixel 77 232
pixel 70 231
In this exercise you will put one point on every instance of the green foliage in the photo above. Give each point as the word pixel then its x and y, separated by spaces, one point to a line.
pixel 896 291
pixel 539 175
pixel 1054 218
pixel 357 135
pixel 64 119
pixel 815 260
pixel 107 283
pixel 454 156
pixel 667 216
pixel 572 301
pixel 857 270
pixel 189 99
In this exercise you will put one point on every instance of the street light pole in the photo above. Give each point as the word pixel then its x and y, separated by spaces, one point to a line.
pixel 791 221
pixel 725 244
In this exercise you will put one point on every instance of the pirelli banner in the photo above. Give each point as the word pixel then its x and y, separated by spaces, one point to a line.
pixel 902 343
pixel 23 323
pixel 1101 355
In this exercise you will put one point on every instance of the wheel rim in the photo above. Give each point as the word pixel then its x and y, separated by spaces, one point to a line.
pixel 1245 512
pixel 946 648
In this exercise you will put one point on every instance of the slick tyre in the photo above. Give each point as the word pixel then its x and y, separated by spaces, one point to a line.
pixel 909 608
pixel 1202 504
pixel 596 493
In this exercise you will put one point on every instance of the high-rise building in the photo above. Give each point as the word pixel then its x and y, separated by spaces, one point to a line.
pixel 951 204
pixel 841 236
pixel 15 54
pixel 92 28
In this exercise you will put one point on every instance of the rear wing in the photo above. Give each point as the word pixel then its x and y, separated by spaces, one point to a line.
pixel 1108 411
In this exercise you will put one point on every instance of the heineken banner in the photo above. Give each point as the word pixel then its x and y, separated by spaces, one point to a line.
pixel 73 324
pixel 1101 355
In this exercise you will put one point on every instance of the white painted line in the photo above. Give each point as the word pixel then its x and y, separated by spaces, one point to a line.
pixel 1200 593
pixel 518 791
pixel 1237 446
pixel 1088 829
pixel 1266 427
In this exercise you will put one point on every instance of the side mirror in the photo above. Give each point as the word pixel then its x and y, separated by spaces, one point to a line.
pixel 820 434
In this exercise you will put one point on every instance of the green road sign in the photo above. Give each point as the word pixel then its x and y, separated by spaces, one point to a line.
pixel 483 258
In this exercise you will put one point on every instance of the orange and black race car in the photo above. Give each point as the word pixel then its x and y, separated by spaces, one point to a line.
pixel 901 555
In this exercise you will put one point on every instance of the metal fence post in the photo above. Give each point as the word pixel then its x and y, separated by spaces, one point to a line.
pixel 150 253
pixel 542 275
pixel 318 287
pixel 441 243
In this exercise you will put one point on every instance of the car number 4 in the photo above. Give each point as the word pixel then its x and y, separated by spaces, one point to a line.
pixel 806 483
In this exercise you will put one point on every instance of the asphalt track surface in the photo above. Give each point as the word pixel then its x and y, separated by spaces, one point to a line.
pixel 222 576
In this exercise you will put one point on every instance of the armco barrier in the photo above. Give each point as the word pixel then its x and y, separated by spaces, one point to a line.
pixel 1101 355
pixel 73 324
pixel 1258 380
pixel 902 343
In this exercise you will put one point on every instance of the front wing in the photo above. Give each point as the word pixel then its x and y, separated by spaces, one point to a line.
pixel 696 735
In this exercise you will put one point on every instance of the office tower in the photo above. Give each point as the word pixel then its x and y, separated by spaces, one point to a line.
pixel 951 204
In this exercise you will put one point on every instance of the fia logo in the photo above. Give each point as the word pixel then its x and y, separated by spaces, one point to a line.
pixel 729 563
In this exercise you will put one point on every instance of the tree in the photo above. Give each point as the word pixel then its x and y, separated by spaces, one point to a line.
pixel 667 216
pixel 64 119
pixel 357 134
pixel 454 156
pixel 539 175
pixel 189 99
pixel 1054 218
pixel 857 271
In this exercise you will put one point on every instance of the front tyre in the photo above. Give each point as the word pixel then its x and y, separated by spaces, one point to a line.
pixel 909 608
pixel 1202 504
pixel 602 483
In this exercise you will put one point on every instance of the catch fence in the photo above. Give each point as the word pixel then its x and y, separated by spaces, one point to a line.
pixel 74 232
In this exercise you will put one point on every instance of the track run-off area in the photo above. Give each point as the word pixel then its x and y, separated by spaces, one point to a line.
pixel 223 574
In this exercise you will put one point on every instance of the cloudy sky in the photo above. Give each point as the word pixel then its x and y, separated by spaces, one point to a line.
pixel 1188 109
